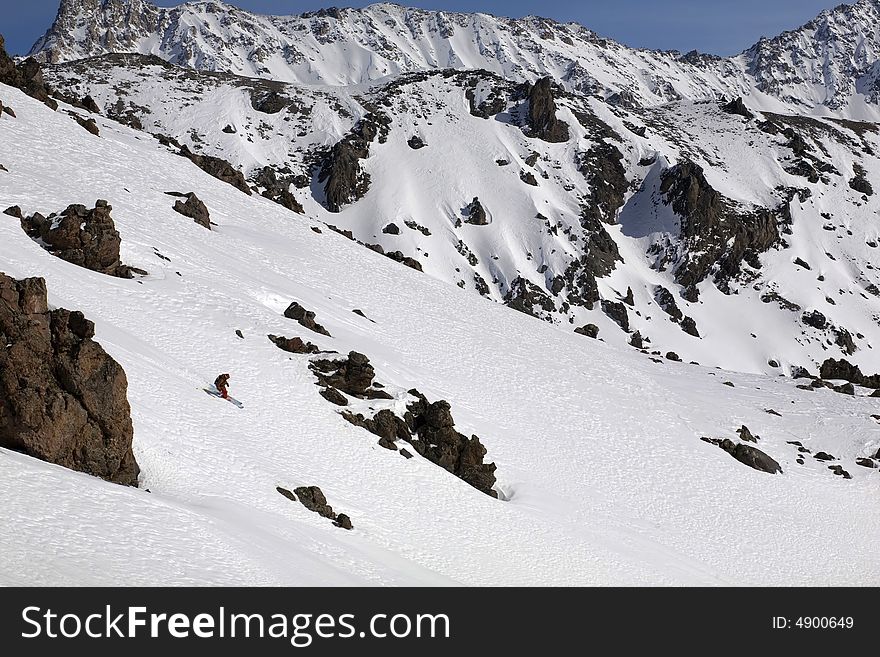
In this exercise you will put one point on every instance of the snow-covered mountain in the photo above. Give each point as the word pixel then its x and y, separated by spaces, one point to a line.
pixel 345 210
pixel 828 65
pixel 601 471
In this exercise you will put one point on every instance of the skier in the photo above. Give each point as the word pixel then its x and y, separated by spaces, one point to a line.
pixel 220 383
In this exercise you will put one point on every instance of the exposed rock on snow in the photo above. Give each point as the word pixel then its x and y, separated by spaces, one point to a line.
pixel 219 168
pixel 476 213
pixel 543 122
pixel 27 76
pixel 294 345
pixel 64 399
pixel 305 318
pixel 353 376
pixel 193 208
pixel 84 237
pixel 313 499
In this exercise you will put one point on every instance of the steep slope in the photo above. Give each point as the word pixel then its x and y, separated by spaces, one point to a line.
pixel 601 473
pixel 566 228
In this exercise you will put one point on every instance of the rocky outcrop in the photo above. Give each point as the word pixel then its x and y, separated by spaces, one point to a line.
pixel 589 330
pixel 603 168
pixel 314 500
pixel 617 312
pixel 278 189
pixel 543 122
pixel 528 298
pixel 81 236
pixel 218 168
pixel 353 376
pixel 715 237
pixel 416 143
pixel 815 319
pixel 859 182
pixel 843 369
pixel 63 399
pixel 269 103
pixel 344 181
pixel 193 208
pixel 305 318
pixel 476 213
pixel 293 345
pixel 599 258
pixel 748 455
pixel 736 106
pixel 666 301
pixel 27 76
pixel 437 440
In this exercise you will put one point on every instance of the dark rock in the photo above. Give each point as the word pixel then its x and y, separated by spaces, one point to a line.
pixel 229 130
pixel 84 237
pixel 746 435
pixel 843 369
pixel 673 357
pixel 89 103
pixel 195 209
pixel 391 229
pixel 629 299
pixel 866 463
pixel 666 301
pixel 239 334
pixel 839 471
pixel 353 376
pixel 286 493
pixel 313 499
pixel 398 256
pixel 637 340
pixel 815 319
pixel 491 106
pixel 542 113
pixel 333 396
pixel 416 143
pixel 770 411
pixel 63 399
pixel 406 454
pixel 476 214
pixel 823 456
pixel 736 106
pixel 845 389
pixel 278 190
pixel 755 458
pixel 801 263
pixel 294 345
pixel 617 312
pixel 859 183
pixel 689 326
pixel 528 298
pixel 218 168
pixel 772 363
pixel 305 318
pixel 528 178
pixel 27 76
pixel 343 521
pixel 439 442
pixel 844 340
pixel 344 180
pixel 88 124
pixel 269 103
pixel 14 211
pixel 589 330
pixel 603 168
pixel 715 236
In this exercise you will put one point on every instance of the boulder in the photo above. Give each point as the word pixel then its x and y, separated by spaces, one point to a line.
pixel 27 76
pixel 353 376
pixel 293 345
pixel 305 318
pixel 736 106
pixel 195 209
pixel 755 458
pixel 476 214
pixel 218 168
pixel 82 236
pixel 63 399
pixel 589 330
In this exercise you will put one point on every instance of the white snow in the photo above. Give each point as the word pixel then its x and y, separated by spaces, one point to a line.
pixel 603 475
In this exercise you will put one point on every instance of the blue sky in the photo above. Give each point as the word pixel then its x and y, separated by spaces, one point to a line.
pixel 722 27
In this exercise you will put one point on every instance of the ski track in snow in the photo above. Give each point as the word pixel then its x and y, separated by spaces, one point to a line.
pixel 598 449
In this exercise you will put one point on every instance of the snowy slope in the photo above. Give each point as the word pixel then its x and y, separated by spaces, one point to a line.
pixel 535 232
pixel 829 65
pixel 602 473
